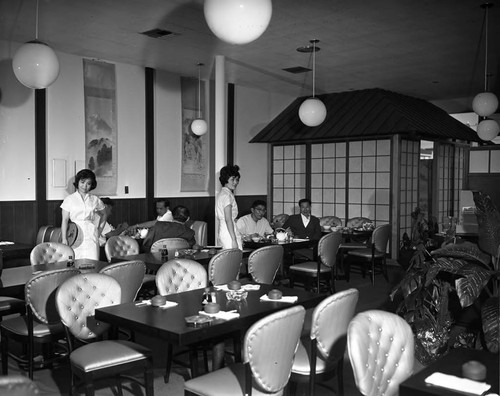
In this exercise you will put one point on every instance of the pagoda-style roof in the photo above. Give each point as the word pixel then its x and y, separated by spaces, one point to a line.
pixel 368 113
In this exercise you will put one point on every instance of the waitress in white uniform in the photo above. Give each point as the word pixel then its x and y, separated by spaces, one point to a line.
pixel 226 209
pixel 88 212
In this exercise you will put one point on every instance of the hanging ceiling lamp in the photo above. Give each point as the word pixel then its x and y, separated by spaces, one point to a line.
pixel 486 103
pixel 35 64
pixel 238 21
pixel 312 111
pixel 199 125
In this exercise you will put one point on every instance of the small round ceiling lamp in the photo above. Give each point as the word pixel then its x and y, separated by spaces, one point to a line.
pixel 199 126
pixel 312 111
pixel 35 64
pixel 238 21
pixel 488 129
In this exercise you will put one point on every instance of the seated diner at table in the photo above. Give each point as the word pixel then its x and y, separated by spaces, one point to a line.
pixel 176 228
pixel 109 230
pixel 163 212
pixel 254 224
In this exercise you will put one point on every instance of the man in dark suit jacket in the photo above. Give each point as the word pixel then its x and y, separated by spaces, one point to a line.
pixel 171 229
pixel 304 225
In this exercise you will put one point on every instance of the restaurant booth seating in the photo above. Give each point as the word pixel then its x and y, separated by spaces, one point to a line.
pixel 268 351
pixel 50 252
pixel 264 263
pixel 381 352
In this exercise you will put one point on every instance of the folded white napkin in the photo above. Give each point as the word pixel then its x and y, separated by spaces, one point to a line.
pixel 168 304
pixel 244 287
pixel 457 383
pixel 285 299
pixel 6 243
pixel 224 315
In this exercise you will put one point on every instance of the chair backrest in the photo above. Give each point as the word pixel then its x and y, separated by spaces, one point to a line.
pixel 380 237
pixel 263 263
pixel 129 275
pixel 380 346
pixel 279 220
pixel 79 296
pixel 270 346
pixel 120 245
pixel 200 232
pixel 224 267
pixel 332 221
pixel 180 275
pixel 357 222
pixel 40 293
pixel 328 246
pixel 170 243
pixel 50 252
pixel 17 385
pixel 329 323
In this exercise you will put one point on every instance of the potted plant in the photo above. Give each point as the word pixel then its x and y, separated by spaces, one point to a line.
pixel 439 285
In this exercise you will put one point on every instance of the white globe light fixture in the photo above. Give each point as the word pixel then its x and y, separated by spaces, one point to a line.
pixel 199 126
pixel 238 21
pixel 35 64
pixel 312 111
pixel 488 130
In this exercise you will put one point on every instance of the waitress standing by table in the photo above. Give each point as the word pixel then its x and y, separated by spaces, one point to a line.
pixel 88 212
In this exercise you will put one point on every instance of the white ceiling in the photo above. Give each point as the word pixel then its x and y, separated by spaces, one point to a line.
pixel 423 48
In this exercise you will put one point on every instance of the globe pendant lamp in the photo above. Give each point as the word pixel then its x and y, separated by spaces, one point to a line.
pixel 312 111
pixel 35 64
pixel 238 21
pixel 199 125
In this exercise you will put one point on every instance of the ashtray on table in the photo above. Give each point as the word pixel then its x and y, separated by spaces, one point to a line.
pixel 188 252
pixel 236 295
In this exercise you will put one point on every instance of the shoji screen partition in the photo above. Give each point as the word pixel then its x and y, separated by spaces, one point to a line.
pixel 408 190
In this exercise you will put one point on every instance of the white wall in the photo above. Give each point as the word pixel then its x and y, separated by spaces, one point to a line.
pixel 254 109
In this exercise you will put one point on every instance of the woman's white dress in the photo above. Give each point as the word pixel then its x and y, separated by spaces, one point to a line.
pixel 225 198
pixel 82 212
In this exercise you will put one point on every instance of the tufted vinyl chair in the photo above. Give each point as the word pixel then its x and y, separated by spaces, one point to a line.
pixel 200 232
pixel 41 325
pixel 324 267
pixel 17 385
pixel 120 245
pixel 129 275
pixel 357 222
pixel 50 252
pixel 322 351
pixel 263 263
pixel 375 252
pixel 224 267
pixel 381 350
pixel 171 244
pixel 279 220
pixel 180 275
pixel 331 221
pixel 268 352
pixel 76 301
pixel 10 305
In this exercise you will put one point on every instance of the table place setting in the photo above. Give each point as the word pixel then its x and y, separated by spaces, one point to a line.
pixel 164 305
pixel 457 383
pixel 224 315
pixel 248 287
pixel 283 299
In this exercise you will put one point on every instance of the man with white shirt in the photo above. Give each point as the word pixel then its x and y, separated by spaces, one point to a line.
pixel 254 224
pixel 304 226
pixel 163 212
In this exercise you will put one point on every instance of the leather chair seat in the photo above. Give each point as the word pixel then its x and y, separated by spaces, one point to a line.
pixel 19 326
pixel 366 253
pixel 10 305
pixel 309 267
pixel 104 354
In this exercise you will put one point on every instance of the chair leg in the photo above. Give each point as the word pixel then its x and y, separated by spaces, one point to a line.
pixel 384 269
pixel 168 366
pixel 119 385
pixel 340 377
pixel 373 270
pixel 149 379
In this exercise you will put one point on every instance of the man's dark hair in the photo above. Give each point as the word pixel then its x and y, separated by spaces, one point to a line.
pixel 180 213
pixel 83 175
pixel 107 201
pixel 165 201
pixel 304 200
pixel 228 171
pixel 259 202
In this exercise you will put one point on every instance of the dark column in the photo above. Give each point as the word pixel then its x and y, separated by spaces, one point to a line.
pixel 40 157
pixel 150 140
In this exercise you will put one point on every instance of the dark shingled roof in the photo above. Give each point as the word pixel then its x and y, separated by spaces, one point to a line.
pixel 367 114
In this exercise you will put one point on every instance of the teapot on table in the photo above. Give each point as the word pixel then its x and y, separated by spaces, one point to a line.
pixel 281 234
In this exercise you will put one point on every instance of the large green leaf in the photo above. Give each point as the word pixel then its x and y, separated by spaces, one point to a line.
pixel 488 220
pixel 490 314
pixel 466 250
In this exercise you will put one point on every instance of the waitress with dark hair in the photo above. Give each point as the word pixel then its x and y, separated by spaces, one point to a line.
pixel 226 209
pixel 88 212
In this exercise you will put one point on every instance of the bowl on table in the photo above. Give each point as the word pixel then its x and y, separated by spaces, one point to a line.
pixel 256 239
pixel 327 227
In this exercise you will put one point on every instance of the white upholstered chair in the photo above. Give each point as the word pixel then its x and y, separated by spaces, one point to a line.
pixel 120 245
pixel 171 244
pixel 268 352
pixel 263 263
pixel 224 266
pixel 200 232
pixel 381 351
pixel 50 252
pixel 129 274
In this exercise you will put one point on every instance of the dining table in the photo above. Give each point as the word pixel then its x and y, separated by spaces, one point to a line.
pixel 170 324
pixel 13 254
pixel 451 364
pixel 13 280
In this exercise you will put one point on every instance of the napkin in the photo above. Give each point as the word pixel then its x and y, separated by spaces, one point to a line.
pixel 6 243
pixel 168 304
pixel 243 287
pixel 285 299
pixel 224 315
pixel 457 383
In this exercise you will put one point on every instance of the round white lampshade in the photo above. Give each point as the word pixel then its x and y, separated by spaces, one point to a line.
pixel 199 126
pixel 238 21
pixel 488 129
pixel 35 65
pixel 312 112
pixel 485 104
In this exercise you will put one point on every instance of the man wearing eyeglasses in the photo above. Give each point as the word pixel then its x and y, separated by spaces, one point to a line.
pixel 254 224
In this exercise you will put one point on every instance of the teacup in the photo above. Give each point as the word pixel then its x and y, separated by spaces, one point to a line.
pixel 256 239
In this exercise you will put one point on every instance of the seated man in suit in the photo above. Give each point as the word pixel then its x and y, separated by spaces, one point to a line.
pixel 176 228
pixel 304 226
pixel 254 224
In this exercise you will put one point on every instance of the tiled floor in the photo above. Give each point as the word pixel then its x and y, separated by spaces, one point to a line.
pixel 55 382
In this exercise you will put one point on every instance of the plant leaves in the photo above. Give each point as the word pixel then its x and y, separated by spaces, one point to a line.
pixel 488 220
pixel 490 313
pixel 466 250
